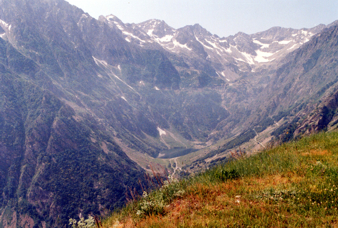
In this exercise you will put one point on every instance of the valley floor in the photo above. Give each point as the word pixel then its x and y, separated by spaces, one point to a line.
pixel 293 185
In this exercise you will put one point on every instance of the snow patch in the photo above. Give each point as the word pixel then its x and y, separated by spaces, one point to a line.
pixel 126 84
pixel 124 98
pixel 203 44
pixel 295 45
pixel 284 41
pixel 161 132
pixel 294 34
pixel 166 38
pixel 100 62
pixel 261 44
pixel 212 44
pixel 156 88
pixel 141 83
pixel 262 56
pixel 132 35
pixel 150 32
pixel 304 33
pixel 311 34
pixel 228 50
pixel 238 59
pixel 110 17
pixel 118 25
pixel 222 74
pixel 4 24
pixel 248 58
pixel 177 44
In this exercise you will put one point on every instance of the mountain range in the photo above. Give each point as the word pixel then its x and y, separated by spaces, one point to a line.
pixel 88 107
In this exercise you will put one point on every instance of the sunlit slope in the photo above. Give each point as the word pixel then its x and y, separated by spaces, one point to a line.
pixel 293 185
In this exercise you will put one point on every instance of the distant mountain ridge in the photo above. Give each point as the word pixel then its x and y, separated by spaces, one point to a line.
pixel 253 50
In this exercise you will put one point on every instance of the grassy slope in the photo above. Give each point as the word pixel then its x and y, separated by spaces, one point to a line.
pixel 293 185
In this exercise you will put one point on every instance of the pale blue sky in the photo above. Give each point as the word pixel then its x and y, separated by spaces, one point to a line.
pixel 221 17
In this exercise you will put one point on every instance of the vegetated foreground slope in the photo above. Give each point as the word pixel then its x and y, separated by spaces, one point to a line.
pixel 293 185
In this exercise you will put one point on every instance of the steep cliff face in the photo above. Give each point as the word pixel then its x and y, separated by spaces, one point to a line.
pixel 311 70
pixel 54 162
pixel 57 159
pixel 303 88
pixel 322 118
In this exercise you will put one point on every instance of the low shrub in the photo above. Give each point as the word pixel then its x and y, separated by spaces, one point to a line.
pixel 227 175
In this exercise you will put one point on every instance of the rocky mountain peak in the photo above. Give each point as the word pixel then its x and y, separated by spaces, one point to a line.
pixel 111 18
pixel 156 28
pixel 198 29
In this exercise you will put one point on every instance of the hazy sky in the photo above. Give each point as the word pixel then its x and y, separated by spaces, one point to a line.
pixel 221 17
